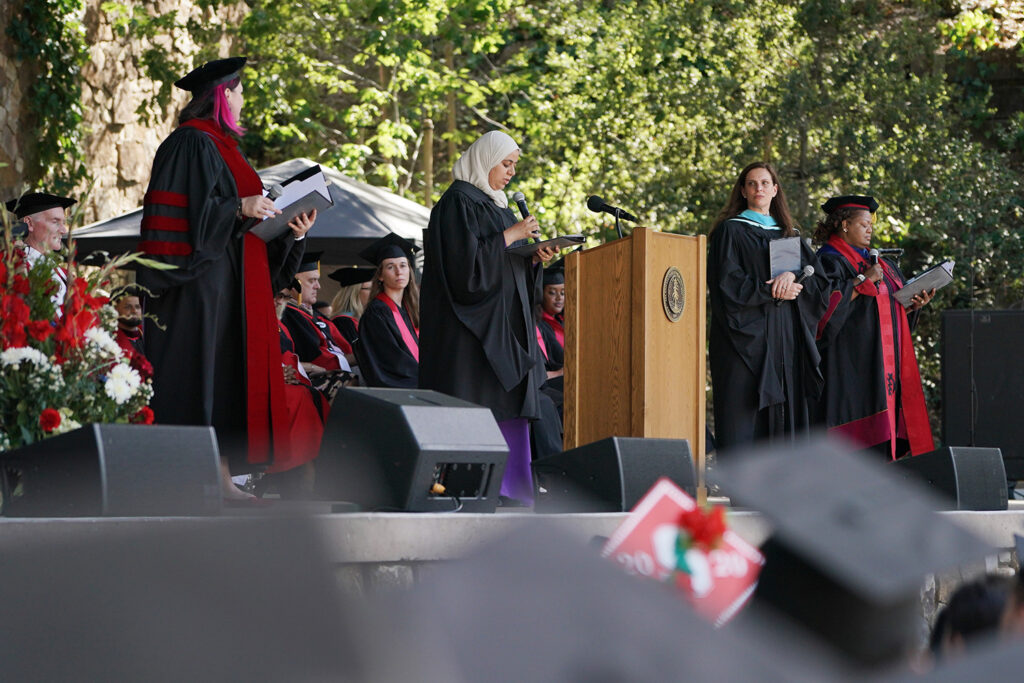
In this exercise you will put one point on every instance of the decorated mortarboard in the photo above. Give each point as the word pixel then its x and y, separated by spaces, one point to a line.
pixel 853 542
pixel 34 202
pixel 389 246
pixel 851 201
pixel 310 262
pixel 202 78
pixel 352 275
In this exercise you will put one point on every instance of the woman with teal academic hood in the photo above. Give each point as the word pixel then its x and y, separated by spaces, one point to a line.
pixel 764 363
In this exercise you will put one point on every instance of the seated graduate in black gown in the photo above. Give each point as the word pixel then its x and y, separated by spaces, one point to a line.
pixel 872 384
pixel 388 346
pixel 551 320
pixel 764 362
pixel 348 304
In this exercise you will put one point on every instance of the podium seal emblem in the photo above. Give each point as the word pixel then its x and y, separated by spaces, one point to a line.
pixel 673 294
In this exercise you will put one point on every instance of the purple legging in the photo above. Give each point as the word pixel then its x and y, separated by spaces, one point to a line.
pixel 518 480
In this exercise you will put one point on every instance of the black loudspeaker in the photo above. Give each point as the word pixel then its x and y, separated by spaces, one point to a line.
pixel 117 470
pixel 613 474
pixel 410 450
pixel 983 382
pixel 970 478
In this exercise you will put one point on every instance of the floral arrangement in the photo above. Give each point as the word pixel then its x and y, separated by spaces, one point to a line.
pixel 60 367
pixel 700 529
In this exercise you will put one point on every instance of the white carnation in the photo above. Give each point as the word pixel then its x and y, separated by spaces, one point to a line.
pixel 125 373
pixel 102 340
pixel 24 353
pixel 118 389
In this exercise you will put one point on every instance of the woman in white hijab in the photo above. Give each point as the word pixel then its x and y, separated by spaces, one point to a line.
pixel 477 340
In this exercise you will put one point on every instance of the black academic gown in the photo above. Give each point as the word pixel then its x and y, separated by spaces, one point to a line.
pixel 764 362
pixel 477 340
pixel 199 360
pixel 555 358
pixel 850 342
pixel 311 342
pixel 348 326
pixel 384 360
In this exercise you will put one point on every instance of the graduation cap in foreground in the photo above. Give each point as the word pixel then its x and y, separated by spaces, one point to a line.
pixel 852 543
pixel 854 201
pixel 177 602
pixel 539 605
pixel 389 246
pixel 202 78
pixel 34 202
pixel 352 275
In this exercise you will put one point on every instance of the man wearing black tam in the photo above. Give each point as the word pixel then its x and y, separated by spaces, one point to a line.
pixel 318 344
pixel 44 218
pixel 216 352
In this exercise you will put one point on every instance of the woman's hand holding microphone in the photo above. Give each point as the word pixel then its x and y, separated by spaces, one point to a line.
pixel 522 230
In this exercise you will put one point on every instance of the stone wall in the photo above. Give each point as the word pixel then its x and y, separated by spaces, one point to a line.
pixel 14 149
pixel 118 146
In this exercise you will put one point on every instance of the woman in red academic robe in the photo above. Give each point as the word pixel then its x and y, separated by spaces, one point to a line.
pixel 215 354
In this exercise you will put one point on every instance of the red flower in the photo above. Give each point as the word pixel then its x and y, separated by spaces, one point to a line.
pixel 15 314
pixel 39 329
pixel 144 416
pixel 49 420
pixel 705 528
pixel 21 285
pixel 142 366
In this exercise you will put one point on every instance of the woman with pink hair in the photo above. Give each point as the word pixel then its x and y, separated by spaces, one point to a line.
pixel 216 354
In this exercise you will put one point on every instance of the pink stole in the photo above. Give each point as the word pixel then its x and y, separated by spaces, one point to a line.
pixel 408 335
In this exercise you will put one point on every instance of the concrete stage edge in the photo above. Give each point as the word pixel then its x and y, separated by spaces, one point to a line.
pixel 412 538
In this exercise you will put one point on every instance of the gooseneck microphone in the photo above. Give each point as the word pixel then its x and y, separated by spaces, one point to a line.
pixel 520 199
pixel 597 205
pixel 806 273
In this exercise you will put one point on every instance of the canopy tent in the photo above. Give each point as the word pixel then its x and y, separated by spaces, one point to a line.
pixel 361 214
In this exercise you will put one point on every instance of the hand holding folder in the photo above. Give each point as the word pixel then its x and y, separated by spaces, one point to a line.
pixel 304 192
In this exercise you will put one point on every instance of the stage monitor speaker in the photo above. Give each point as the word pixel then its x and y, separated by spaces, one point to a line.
pixel 410 450
pixel 970 478
pixel 613 474
pixel 117 470
pixel 983 383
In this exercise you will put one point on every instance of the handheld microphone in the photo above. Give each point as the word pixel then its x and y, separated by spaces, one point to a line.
pixel 597 205
pixel 520 199
pixel 873 255
pixel 273 192
pixel 806 273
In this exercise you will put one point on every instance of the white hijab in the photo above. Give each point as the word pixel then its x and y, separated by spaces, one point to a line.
pixel 476 163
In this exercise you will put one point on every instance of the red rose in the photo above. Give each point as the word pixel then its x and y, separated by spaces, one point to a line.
pixel 49 420
pixel 144 416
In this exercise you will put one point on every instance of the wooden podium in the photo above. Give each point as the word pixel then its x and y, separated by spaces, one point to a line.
pixel 630 369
